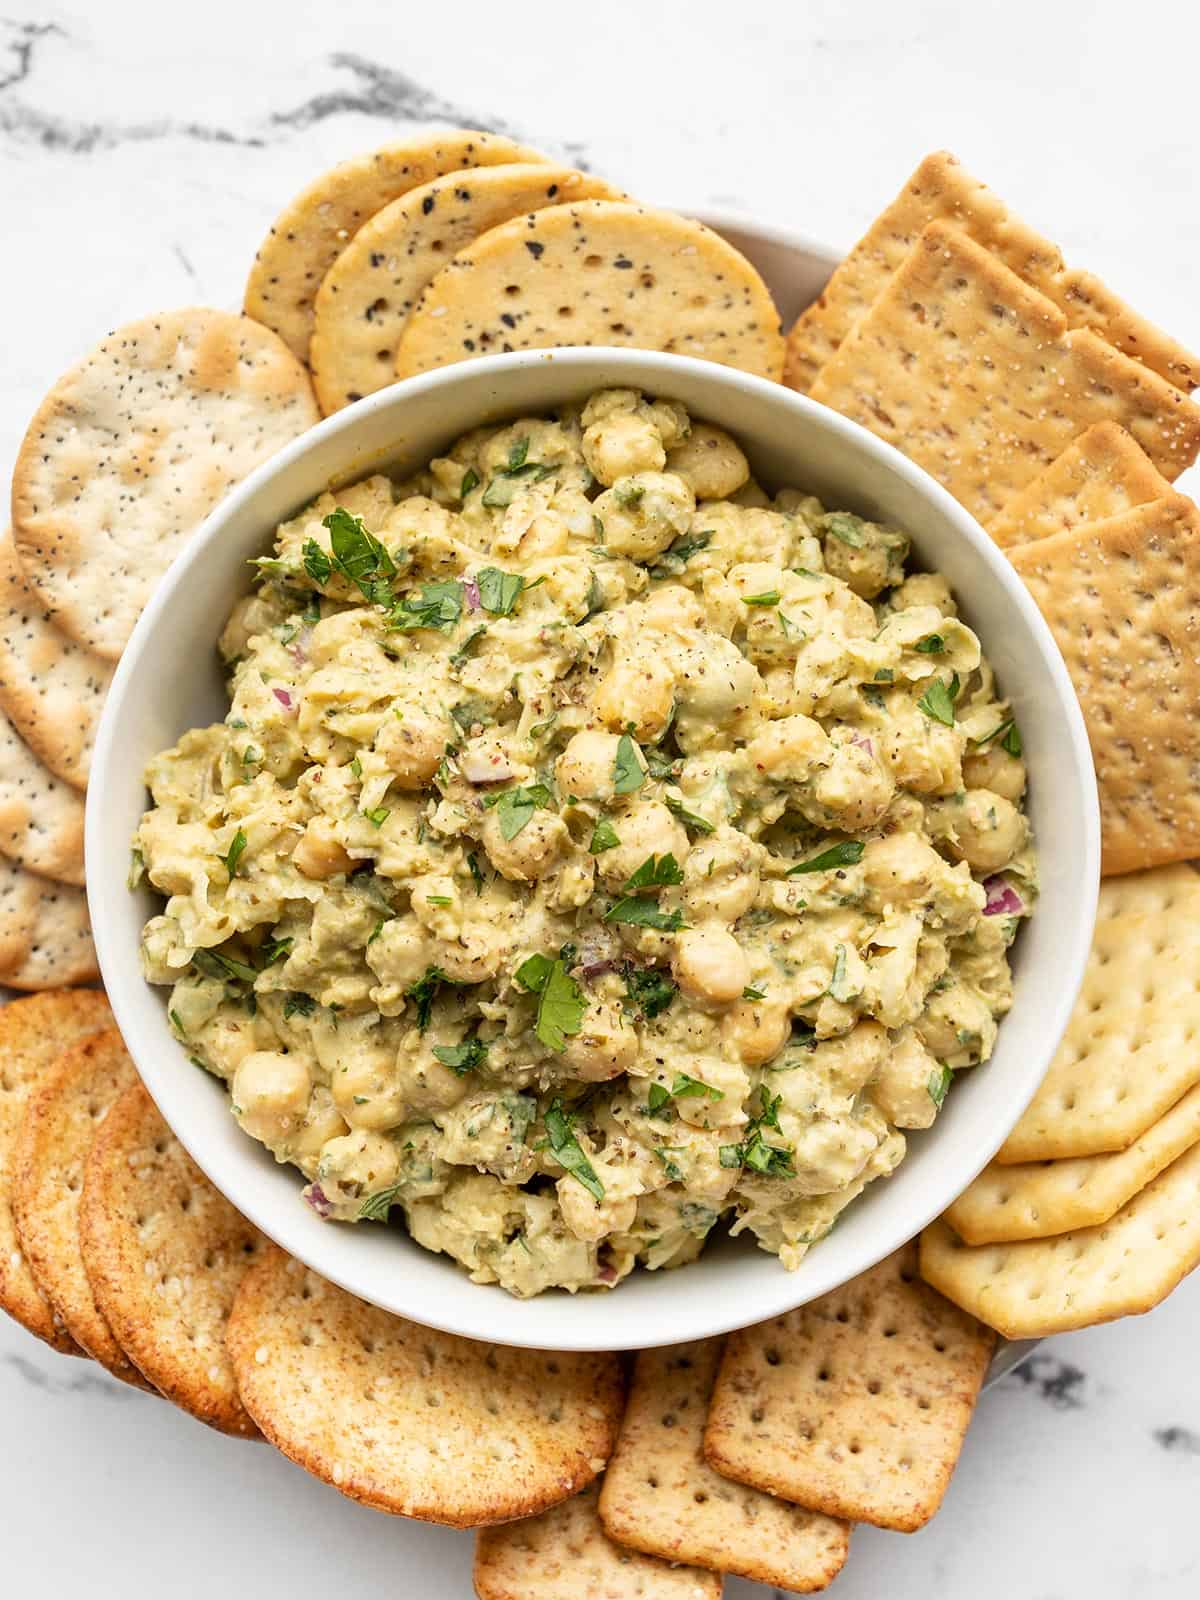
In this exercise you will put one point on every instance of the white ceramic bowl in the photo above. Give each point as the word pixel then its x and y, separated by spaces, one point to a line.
pixel 169 680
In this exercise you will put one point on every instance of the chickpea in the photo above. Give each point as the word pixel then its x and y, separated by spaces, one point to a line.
pixel 710 462
pixel 849 1061
pixel 412 743
pixel 546 535
pixel 900 1087
pixel 622 444
pixel 714 685
pixel 673 606
pixel 356 1164
pixel 996 770
pixel 756 1030
pixel 854 790
pixel 399 952
pixel 869 565
pixel 900 869
pixel 646 829
pixel 585 768
pixel 605 1046
pixel 366 1087
pixel 270 1093
pixel 593 1220
pixel 789 750
pixel 924 589
pixel 639 689
pixel 532 853
pixel 923 756
pixel 720 877
pixel 322 1122
pixel 983 829
pixel 644 513
pixel 709 965
pixel 425 897
pixel 478 953
pixel 318 853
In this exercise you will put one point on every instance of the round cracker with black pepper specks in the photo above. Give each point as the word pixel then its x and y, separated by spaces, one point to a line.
pixel 45 931
pixel 412 1421
pixel 596 272
pixel 56 1132
pixel 133 447
pixel 313 230
pixel 41 817
pixel 52 688
pixel 33 1031
pixel 164 1253
pixel 368 293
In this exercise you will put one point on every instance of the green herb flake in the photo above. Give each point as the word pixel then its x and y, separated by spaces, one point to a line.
pixel 379 816
pixel 838 855
pixel 215 964
pixel 424 992
pixel 656 872
pixel 438 900
pixel 673 560
pixel 560 999
pixel 439 606
pixel 234 854
pixel 753 994
pixel 934 645
pixel 177 1024
pixel 1008 736
pixel 628 773
pixel 500 591
pixel 690 819
pixel 688 1088
pixel 769 597
pixel 298 1004
pixel 658 1100
pixel 885 675
pixel 846 528
pixel 356 768
pixel 273 950
pixel 359 557
pixel 462 1058
pixel 476 871
pixel 375 1207
pixel 938 700
pixel 470 480
pixel 649 991
pixel 137 869
pixel 640 911
pixel 604 837
pixel 568 1152
pixel 515 807
pixel 671 1168
pixel 316 563
pixel 939 1083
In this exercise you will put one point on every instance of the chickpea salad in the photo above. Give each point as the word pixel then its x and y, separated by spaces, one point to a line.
pixel 595 850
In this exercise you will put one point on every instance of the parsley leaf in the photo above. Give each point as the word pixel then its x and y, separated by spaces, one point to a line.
pixel 439 607
pixel 379 816
pixel 568 1152
pixel 470 480
pixel 769 597
pixel 298 1004
pixel 316 563
pixel 640 911
pixel 462 1058
pixel 560 999
pixel 376 1206
pixel 604 837
pixel 504 485
pixel 234 855
pixel 514 807
pixel 938 700
pixel 476 871
pixel 628 773
pixel 753 994
pixel 274 950
pixel 658 1098
pixel 500 591
pixel 357 555
pixel 655 873
pixel 768 1160
pixel 846 527
pixel 687 1088
pixel 424 992
pixel 838 855
pixel 932 646
pixel 939 1083
pixel 215 964
pixel 673 560
pixel 1008 735
pixel 649 990
pixel 690 819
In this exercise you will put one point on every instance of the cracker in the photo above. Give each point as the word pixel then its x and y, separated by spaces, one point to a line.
pixel 370 290
pixel 45 932
pixel 976 377
pixel 1101 474
pixel 856 1404
pixel 32 1033
pixel 1039 1198
pixel 412 1421
pixel 566 1552
pixel 1122 598
pixel 165 1253
pixel 661 1496
pixel 1129 1053
pixel 597 272
pixel 41 817
pixel 940 190
pixel 1036 1287
pixel 133 447
pixel 52 688
pixel 52 1144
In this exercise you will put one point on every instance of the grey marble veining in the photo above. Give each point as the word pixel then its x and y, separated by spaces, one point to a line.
pixel 143 153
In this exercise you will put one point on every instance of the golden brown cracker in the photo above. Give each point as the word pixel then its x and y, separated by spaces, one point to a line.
pixel 41 817
pixel 975 376
pixel 45 931
pixel 1099 475
pixel 565 1554
pixel 1129 1053
pixel 409 1420
pixel 33 1032
pixel 597 272
pixel 164 1253
pixel 857 1404
pixel 1035 1287
pixel 58 1127
pixel 1122 598
pixel 660 1495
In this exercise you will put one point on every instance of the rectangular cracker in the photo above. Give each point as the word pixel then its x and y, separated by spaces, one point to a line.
pixel 662 1497
pixel 940 190
pixel 976 377
pixel 855 1405
pixel 1041 1198
pixel 1035 1287
pixel 1122 598
pixel 565 1552
pixel 1101 474
pixel 1130 1049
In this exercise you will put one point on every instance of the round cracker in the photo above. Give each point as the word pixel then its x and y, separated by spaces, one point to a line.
pixel 52 688
pixel 165 1252
pixel 132 449
pixel 596 272
pixel 370 290
pixel 411 1421
pixel 33 1031
pixel 310 233
pixel 56 1132
pixel 45 931
pixel 41 817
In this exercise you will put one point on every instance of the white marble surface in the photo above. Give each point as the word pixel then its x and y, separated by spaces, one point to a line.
pixel 143 150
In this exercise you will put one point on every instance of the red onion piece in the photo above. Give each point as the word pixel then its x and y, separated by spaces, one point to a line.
pixel 593 969
pixel 865 744
pixel 298 649
pixel 471 594
pixel 284 698
pixel 607 1273
pixel 315 1196
pixel 1002 899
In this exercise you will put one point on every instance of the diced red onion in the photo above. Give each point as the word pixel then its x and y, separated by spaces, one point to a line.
pixel 594 969
pixel 471 594
pixel 1002 899
pixel 298 649
pixel 607 1273
pixel 865 744
pixel 284 698
pixel 315 1196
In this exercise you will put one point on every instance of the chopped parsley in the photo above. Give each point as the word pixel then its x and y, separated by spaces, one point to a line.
pixel 514 807
pixel 628 773
pixel 604 837
pixel 424 992
pixel 931 646
pixel 939 1083
pixel 640 911
pixel 215 964
pixel 568 1152
pixel 476 871
pixel 656 872
pixel 379 816
pixel 233 855
pixel 500 591
pixel 468 647
pixel 439 606
pixel 356 554
pixel 768 1160
pixel 688 1088
pixel 274 950
pixel 769 597
pixel 560 999
pixel 462 1058
pixel 846 527
pixel 753 994
pixel 673 560
pixel 838 855
pixel 658 1099
pixel 690 819
pixel 938 700
pixel 470 480
pixel 298 1004
pixel 504 484
pixel 648 990
pixel 1007 734
pixel 137 869
pixel 376 1206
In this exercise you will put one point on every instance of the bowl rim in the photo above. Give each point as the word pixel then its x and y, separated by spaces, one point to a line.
pixel 120 967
